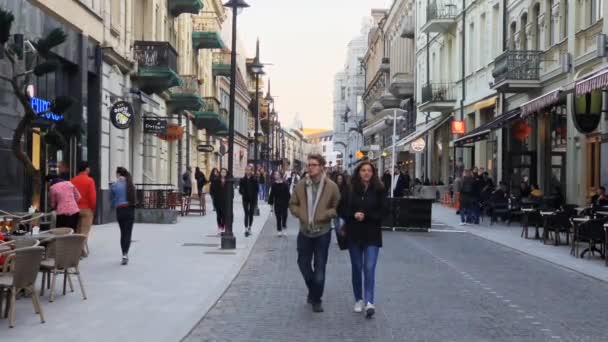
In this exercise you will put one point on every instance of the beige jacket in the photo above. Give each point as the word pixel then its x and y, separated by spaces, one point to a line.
pixel 326 209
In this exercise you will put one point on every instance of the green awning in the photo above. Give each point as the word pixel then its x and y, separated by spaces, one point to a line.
pixel 221 69
pixel 184 101
pixel 207 40
pixel 212 122
pixel 177 7
pixel 156 79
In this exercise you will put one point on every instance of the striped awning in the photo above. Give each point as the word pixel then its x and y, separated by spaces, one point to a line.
pixel 540 102
pixel 597 81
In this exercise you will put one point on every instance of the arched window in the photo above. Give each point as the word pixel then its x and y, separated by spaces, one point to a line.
pixel 512 30
pixel 597 7
pixel 550 23
pixel 523 36
pixel 535 27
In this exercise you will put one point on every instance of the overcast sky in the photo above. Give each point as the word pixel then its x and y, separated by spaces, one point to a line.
pixel 306 41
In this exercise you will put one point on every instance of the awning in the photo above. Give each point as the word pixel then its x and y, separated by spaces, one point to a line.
pixel 597 81
pixel 540 102
pixel 485 103
pixel 481 132
pixel 423 129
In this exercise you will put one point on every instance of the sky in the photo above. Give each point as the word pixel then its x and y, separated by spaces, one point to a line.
pixel 306 42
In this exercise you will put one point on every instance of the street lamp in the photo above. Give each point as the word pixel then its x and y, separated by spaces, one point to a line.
pixel 228 238
pixel 257 69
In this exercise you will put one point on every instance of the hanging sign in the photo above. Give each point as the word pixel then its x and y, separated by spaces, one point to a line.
pixel 587 111
pixel 155 126
pixel 205 148
pixel 121 115
pixel 458 127
pixel 173 132
pixel 521 130
pixel 418 145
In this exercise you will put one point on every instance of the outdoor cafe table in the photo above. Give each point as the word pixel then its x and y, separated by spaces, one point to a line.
pixel 576 222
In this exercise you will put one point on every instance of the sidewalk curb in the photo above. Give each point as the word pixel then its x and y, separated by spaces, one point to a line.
pixel 522 251
pixel 229 278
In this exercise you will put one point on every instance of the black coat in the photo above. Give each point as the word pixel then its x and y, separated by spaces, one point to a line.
pixel 372 203
pixel 279 195
pixel 201 180
pixel 220 192
pixel 248 188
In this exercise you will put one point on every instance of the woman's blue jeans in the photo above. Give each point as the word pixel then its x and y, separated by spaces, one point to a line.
pixel 363 260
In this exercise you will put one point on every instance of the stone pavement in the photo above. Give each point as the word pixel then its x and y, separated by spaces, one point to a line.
pixel 163 292
pixel 439 286
pixel 510 236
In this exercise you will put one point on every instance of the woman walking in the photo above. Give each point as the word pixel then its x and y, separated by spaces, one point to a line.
pixel 201 180
pixel 220 190
pixel 363 211
pixel 248 188
pixel 213 177
pixel 123 199
pixel 279 199
pixel 340 181
pixel 64 199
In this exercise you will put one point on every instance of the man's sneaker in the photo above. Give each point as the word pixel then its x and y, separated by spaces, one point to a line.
pixel 279 233
pixel 359 306
pixel 370 310
pixel 462 224
pixel 125 260
pixel 317 307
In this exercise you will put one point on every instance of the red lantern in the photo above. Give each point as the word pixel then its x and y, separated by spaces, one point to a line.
pixel 521 130
pixel 174 132
pixel 458 127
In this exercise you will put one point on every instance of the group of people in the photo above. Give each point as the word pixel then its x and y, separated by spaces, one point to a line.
pixel 75 200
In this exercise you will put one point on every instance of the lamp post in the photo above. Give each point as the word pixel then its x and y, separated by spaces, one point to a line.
pixel 228 238
pixel 258 69
pixel 270 100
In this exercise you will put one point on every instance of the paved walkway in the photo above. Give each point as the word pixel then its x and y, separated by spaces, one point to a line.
pixel 510 236
pixel 442 286
pixel 163 292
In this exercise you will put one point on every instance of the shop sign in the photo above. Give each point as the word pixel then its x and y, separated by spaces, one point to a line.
pixel 205 148
pixel 173 132
pixel 40 106
pixel 587 111
pixel 155 126
pixel 458 127
pixel 121 115
pixel 418 145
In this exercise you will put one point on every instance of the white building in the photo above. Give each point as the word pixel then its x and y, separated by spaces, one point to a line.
pixel 349 86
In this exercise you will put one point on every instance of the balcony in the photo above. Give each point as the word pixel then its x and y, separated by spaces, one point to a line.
pixel 221 64
pixel 438 97
pixel 517 71
pixel 440 17
pixel 157 65
pixel 206 33
pixel 212 118
pixel 186 96
pixel 402 85
pixel 177 7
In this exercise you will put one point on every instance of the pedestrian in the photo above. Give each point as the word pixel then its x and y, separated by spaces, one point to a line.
pixel 363 210
pixel 123 199
pixel 386 180
pixel 248 188
pixel 293 180
pixel 64 170
pixel 213 177
pixel 314 202
pixel 466 197
pixel 85 185
pixel 342 184
pixel 220 189
pixel 64 199
pixel 279 200
pixel 262 185
pixel 187 182
pixel 201 180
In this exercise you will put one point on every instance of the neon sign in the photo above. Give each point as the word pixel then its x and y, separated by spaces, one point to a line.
pixel 41 106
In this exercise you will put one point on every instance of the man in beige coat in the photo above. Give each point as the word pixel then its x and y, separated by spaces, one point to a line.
pixel 314 202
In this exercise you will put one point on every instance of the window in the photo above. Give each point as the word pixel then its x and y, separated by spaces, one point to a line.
pixel 535 27
pixel 597 7
pixel 324 148
pixel 523 37
pixel 551 20
pixel 472 61
pixel 482 32
pixel 512 30
pixel 93 5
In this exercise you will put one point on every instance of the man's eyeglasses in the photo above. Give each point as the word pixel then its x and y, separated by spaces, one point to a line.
pixel 313 165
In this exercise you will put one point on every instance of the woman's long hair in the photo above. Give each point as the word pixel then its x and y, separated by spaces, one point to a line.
pixel 374 182
pixel 121 171
pixel 341 186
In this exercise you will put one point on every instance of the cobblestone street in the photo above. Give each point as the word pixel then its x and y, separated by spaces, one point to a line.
pixel 438 286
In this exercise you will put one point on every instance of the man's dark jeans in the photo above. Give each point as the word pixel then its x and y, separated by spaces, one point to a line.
pixel 312 252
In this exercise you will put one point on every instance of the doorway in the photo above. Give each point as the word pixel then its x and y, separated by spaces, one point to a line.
pixel 593 165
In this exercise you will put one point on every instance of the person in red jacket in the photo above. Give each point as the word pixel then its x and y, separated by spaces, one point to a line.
pixel 88 200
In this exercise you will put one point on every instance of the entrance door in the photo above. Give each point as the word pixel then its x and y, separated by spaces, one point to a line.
pixel 558 172
pixel 523 166
pixel 593 165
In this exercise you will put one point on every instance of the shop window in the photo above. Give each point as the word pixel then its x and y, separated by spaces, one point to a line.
pixel 559 124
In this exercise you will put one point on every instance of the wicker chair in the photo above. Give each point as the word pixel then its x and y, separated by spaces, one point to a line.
pixel 66 258
pixel 61 231
pixel 25 264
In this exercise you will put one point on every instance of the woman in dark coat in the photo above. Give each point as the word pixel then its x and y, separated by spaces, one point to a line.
pixel 219 188
pixel 279 199
pixel 215 174
pixel 363 212
pixel 201 180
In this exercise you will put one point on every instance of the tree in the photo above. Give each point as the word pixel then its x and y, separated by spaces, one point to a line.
pixel 42 61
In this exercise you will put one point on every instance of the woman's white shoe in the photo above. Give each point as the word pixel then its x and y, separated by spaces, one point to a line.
pixel 359 306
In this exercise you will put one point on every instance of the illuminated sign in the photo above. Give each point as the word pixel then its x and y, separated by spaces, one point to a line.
pixel 418 145
pixel 40 106
pixel 458 127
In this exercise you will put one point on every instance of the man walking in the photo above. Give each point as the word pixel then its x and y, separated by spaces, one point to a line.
pixel 314 202
pixel 248 188
pixel 88 201
pixel 187 182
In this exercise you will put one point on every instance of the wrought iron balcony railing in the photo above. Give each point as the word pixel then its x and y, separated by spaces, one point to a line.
pixel 150 54
pixel 517 65
pixel 189 85
pixel 438 92
pixel 436 11
pixel 212 105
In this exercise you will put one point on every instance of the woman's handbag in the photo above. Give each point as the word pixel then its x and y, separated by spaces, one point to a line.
pixel 342 238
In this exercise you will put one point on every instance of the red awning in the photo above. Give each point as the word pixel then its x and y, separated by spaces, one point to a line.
pixel 597 81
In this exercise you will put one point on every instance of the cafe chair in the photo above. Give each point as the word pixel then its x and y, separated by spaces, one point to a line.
pixel 65 260
pixel 25 263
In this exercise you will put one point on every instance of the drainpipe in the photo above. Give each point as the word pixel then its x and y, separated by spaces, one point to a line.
pixel 464 28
